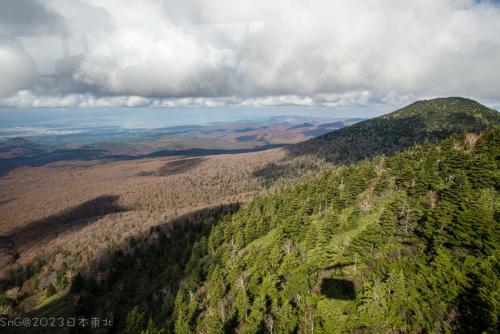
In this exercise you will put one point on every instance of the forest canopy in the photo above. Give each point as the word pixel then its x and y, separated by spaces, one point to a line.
pixel 404 243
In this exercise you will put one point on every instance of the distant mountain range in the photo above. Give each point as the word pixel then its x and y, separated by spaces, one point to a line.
pixel 122 144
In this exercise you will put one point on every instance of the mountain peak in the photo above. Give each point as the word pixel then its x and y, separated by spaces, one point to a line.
pixel 443 106
pixel 431 120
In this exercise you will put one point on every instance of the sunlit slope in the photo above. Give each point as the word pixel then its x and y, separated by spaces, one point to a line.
pixel 405 243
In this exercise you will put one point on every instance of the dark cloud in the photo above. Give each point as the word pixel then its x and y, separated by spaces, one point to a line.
pixel 28 18
pixel 17 68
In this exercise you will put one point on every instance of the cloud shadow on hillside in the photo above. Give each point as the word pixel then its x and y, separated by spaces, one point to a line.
pixel 84 154
pixel 174 167
pixel 147 269
pixel 363 140
pixel 45 229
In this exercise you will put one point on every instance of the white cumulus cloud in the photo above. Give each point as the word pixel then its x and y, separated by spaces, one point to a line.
pixel 299 52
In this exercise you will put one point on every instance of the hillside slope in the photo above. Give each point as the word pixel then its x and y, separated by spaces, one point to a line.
pixel 18 147
pixel 431 120
pixel 406 243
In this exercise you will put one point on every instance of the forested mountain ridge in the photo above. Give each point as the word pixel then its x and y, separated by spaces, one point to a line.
pixel 430 120
pixel 406 243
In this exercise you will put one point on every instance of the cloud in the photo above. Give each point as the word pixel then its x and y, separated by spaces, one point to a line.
pixel 282 52
pixel 26 98
pixel 28 18
pixel 17 68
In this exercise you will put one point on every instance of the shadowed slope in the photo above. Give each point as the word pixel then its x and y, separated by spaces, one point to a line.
pixel 431 120
pixel 43 230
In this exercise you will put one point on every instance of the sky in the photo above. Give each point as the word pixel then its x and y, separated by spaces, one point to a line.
pixel 247 53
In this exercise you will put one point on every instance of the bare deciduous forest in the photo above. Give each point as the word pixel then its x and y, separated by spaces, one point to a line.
pixel 57 219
